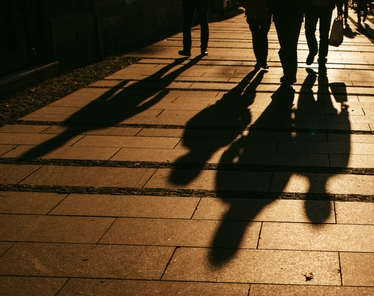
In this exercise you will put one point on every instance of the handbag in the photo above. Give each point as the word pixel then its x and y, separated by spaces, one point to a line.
pixel 337 34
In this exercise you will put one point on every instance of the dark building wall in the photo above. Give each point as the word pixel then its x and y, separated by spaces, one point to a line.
pixel 122 23
pixel 73 41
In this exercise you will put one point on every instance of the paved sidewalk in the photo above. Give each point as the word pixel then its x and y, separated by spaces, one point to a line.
pixel 196 176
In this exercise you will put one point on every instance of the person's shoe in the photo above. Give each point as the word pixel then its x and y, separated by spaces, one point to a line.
pixel 310 59
pixel 204 52
pixel 184 53
pixel 264 66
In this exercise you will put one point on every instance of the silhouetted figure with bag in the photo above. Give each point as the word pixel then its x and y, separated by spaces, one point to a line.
pixel 319 11
pixel 259 14
pixel 189 8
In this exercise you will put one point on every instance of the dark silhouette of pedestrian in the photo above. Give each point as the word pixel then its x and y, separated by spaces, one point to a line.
pixel 345 11
pixel 288 17
pixel 189 8
pixel 362 11
pixel 319 11
pixel 259 14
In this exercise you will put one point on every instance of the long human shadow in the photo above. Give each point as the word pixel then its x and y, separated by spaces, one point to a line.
pixel 299 127
pixel 121 102
pixel 230 111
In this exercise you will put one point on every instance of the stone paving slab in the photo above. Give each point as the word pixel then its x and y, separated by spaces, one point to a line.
pixel 28 202
pixel 181 233
pixel 356 269
pixel 317 237
pixel 81 153
pixel 160 288
pixel 88 176
pixel 127 206
pixel 354 213
pixel 12 174
pixel 53 229
pixel 254 266
pixel 30 286
pixel 289 290
pixel 260 209
pixel 85 261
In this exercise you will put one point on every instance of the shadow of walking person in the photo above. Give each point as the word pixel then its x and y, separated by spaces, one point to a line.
pixel 231 112
pixel 302 131
pixel 317 114
pixel 238 157
pixel 115 106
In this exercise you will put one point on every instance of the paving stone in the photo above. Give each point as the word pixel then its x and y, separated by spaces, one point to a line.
pixel 12 174
pixel 288 290
pixel 53 229
pixel 118 141
pixel 354 160
pixel 18 138
pixel 85 261
pixel 161 288
pixel 5 246
pixel 254 266
pixel 23 129
pixel 323 237
pixel 104 131
pixel 127 206
pixel 80 153
pixel 260 209
pixel 90 176
pixel 357 269
pixel 30 286
pixel 226 180
pixel 355 213
pixel 323 183
pixel 160 132
pixel 28 202
pixel 6 148
pixel 166 155
pixel 187 233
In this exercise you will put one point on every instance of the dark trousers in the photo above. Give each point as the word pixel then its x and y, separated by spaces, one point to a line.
pixel 259 29
pixel 362 7
pixel 323 14
pixel 189 8
pixel 346 8
pixel 288 36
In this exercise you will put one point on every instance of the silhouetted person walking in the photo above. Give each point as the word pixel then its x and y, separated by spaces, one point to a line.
pixel 319 10
pixel 189 8
pixel 362 11
pixel 288 17
pixel 258 14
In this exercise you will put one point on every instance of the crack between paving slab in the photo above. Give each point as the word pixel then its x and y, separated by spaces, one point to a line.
pixel 169 262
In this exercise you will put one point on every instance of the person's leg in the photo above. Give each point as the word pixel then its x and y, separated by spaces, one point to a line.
pixel 311 19
pixel 324 30
pixel 202 11
pixel 254 27
pixel 263 40
pixel 345 11
pixel 288 36
pixel 188 12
